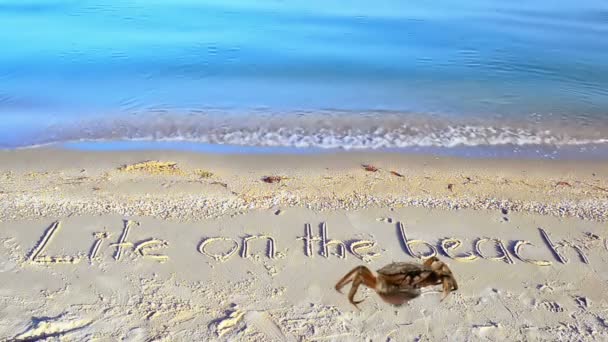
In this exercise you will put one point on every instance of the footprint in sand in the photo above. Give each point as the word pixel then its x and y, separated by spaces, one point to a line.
pixel 136 334
pixel 227 323
pixel 583 302
pixel 491 330
pixel 49 327
pixel 264 324
pixel 552 306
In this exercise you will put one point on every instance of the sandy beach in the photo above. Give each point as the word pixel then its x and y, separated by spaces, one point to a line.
pixel 290 170
pixel 166 245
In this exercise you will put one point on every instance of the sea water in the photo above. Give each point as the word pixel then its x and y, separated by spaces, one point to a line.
pixel 376 75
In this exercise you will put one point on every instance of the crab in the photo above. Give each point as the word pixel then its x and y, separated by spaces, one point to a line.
pixel 399 282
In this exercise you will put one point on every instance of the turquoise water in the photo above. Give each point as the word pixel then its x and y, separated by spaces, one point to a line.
pixel 310 74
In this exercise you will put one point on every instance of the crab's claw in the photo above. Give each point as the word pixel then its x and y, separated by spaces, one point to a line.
pixel 443 273
pixel 448 281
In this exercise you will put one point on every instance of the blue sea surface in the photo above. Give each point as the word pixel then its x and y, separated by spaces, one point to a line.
pixel 305 74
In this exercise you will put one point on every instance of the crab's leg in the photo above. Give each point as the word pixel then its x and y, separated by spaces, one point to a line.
pixel 428 262
pixel 446 288
pixel 364 276
pixel 353 290
pixel 368 277
pixel 449 283
pixel 454 283
pixel 347 278
pixel 359 275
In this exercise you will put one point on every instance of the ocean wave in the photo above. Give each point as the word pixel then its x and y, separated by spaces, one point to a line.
pixel 343 131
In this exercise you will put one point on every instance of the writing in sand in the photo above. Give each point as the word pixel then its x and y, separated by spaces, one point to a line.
pixel 224 248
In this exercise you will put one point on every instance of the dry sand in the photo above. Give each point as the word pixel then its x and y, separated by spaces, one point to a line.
pixel 106 246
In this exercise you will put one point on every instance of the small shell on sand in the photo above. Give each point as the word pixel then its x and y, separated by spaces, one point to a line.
pixel 272 179
pixel 153 167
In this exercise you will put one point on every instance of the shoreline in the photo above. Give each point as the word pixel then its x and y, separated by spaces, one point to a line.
pixel 574 152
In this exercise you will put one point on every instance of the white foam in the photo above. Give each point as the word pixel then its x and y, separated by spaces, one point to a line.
pixel 338 131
